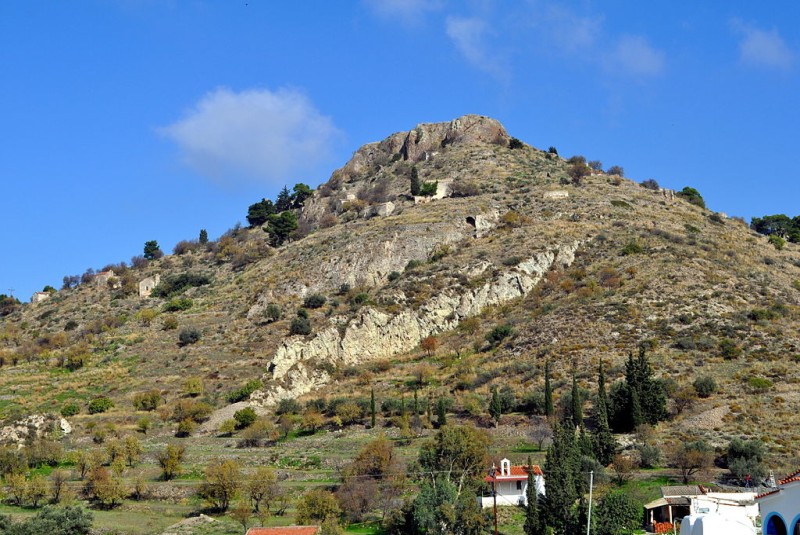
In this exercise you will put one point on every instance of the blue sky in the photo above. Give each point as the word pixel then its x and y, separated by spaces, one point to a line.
pixel 131 120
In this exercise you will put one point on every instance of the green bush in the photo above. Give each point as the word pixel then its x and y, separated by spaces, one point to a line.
pixel 632 247
pixel 176 284
pixel 728 349
pixel 70 409
pixel 777 242
pixel 759 384
pixel 300 326
pixel 272 312
pixel 100 404
pixel 147 401
pixel 552 150
pixel 705 386
pixel 693 196
pixel 244 417
pixel 170 323
pixel 393 276
pixel 178 304
pixel 243 393
pixel 314 301
pixel 188 336
pixel 650 184
pixel 515 143
pixel 428 189
pixel 498 334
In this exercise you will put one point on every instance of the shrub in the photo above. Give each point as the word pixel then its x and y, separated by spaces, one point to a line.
pixel 70 409
pixel 728 349
pixel 178 304
pixel 650 184
pixel 170 323
pixel 429 189
pixel 649 455
pixel 632 247
pixel 188 336
pixel 242 393
pixel 71 325
pixel 464 188
pixel 360 299
pixel 693 196
pixel 244 417
pixel 174 285
pixel 615 170
pixel 272 312
pixel 759 384
pixel 777 242
pixel 147 401
pixel 314 301
pixel 552 150
pixel 705 386
pixel 288 406
pixel 98 405
pixel 393 276
pixel 300 326
pixel 498 334
pixel 515 143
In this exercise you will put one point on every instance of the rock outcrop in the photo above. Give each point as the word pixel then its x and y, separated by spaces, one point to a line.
pixel 300 365
pixel 33 427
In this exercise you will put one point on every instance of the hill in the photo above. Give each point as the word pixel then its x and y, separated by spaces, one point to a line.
pixel 553 260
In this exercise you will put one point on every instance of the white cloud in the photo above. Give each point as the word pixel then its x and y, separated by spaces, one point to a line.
pixel 407 11
pixel 633 55
pixel 253 135
pixel 567 30
pixel 469 37
pixel 763 48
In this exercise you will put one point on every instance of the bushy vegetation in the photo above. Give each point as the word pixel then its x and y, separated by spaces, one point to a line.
pixel 176 284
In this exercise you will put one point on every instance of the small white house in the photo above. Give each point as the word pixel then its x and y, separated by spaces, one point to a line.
pixel 511 484
pixel 38 297
pixel 780 507
pixel 146 285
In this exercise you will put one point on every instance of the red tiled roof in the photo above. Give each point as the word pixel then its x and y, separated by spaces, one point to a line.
pixel 285 530
pixel 765 494
pixel 795 476
pixel 517 473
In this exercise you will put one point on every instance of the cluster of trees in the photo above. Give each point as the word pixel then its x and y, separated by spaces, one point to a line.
pixel 278 218
pixel 779 225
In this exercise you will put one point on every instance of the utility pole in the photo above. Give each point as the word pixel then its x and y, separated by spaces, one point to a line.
pixel 492 474
pixel 589 519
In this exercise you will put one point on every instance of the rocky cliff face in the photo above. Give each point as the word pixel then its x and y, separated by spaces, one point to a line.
pixel 298 365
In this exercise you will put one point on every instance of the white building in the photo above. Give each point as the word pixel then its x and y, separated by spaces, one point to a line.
pixel 780 507
pixel 511 484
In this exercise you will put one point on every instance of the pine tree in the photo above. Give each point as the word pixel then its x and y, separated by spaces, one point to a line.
pixel 284 200
pixel 548 391
pixel 203 236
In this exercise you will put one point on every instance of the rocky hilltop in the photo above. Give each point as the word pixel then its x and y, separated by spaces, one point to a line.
pixel 438 237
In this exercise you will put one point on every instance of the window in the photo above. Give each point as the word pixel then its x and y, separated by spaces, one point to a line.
pixel 519 485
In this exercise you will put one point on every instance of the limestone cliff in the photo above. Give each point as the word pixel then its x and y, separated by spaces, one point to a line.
pixel 298 365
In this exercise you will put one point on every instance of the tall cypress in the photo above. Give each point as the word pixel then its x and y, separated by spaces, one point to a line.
pixel 495 407
pixel 604 443
pixel 372 407
pixel 441 413
pixel 548 391
pixel 563 470
pixel 533 520
pixel 577 406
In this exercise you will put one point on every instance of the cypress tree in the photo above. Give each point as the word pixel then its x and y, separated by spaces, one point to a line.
pixel 203 236
pixel 533 521
pixel 372 407
pixel 495 408
pixel 548 391
pixel 441 413
pixel 577 410
pixel 604 444
pixel 563 470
